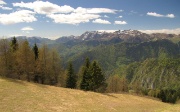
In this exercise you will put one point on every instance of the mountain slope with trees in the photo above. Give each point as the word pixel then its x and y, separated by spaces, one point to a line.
pixel 123 61
pixel 115 55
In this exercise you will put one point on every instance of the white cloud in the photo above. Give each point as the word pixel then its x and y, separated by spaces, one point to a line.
pixel 42 7
pixel 154 14
pixel 108 31
pixel 80 10
pixel 100 10
pixel 73 18
pixel 106 16
pixel 167 31
pixel 94 10
pixel 170 15
pixel 28 28
pixel 100 21
pixel 2 2
pixel 120 22
pixel 5 8
pixel 120 16
pixel 17 17
pixel 65 14
pixel 160 15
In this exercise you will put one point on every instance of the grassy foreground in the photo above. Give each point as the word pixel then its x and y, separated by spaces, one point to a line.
pixel 19 96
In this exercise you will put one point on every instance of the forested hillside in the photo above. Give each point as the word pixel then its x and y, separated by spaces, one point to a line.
pixel 112 56
pixel 128 61
pixel 155 77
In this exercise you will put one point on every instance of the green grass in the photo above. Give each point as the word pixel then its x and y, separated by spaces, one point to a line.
pixel 19 96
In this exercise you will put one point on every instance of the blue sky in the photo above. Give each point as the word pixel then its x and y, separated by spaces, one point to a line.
pixel 56 18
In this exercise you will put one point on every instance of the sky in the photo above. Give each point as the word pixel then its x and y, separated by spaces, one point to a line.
pixel 55 18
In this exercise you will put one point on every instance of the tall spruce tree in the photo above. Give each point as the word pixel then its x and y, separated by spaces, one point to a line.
pixel 86 76
pixel 98 80
pixel 13 51
pixel 36 51
pixel 36 55
pixel 14 44
pixel 71 77
pixel 93 79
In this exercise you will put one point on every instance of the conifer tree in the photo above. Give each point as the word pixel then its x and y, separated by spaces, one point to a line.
pixel 36 55
pixel 71 77
pixel 13 51
pixel 36 51
pixel 98 79
pixel 86 78
pixel 14 44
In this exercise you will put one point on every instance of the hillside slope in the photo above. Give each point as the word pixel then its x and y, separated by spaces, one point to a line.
pixel 113 56
pixel 154 73
pixel 20 96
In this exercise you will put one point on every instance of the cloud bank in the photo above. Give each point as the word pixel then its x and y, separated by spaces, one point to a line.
pixel 44 7
pixel 73 18
pixel 100 21
pixel 120 22
pixel 28 28
pixel 160 15
pixel 17 17
pixel 2 2
pixel 5 8
pixel 167 31
pixel 66 14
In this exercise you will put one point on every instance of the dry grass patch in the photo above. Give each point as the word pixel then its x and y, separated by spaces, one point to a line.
pixel 18 96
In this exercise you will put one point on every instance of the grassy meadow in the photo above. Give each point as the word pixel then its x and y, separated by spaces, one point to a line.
pixel 20 96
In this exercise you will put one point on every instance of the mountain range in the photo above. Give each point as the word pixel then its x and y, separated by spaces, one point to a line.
pixel 112 49
pixel 151 60
pixel 134 36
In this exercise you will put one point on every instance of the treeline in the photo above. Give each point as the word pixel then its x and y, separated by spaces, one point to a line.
pixel 19 61
pixel 158 78
pixel 43 65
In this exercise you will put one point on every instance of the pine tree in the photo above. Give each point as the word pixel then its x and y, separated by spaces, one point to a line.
pixel 98 80
pixel 36 51
pixel 13 51
pixel 36 56
pixel 87 63
pixel 86 76
pixel 14 44
pixel 71 77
